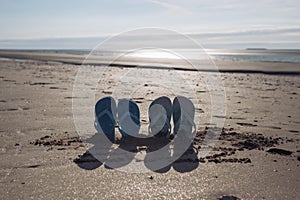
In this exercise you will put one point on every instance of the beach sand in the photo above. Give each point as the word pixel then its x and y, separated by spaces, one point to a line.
pixel 42 156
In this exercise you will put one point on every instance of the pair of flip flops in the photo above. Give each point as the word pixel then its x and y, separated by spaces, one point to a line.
pixel 160 112
pixel 162 109
pixel 127 113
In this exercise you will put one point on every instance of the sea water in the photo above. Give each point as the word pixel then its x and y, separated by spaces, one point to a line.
pixel 292 56
pixel 260 55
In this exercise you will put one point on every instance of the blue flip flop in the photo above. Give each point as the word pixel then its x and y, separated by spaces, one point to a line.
pixel 160 112
pixel 105 115
pixel 129 117
pixel 183 116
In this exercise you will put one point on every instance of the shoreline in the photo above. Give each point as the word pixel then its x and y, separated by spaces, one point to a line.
pixel 255 67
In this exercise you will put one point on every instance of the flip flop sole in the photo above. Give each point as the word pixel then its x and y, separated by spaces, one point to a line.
pixel 129 117
pixel 105 114
pixel 183 114
pixel 160 112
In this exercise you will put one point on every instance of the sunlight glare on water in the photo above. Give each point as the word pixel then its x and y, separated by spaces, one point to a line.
pixel 153 53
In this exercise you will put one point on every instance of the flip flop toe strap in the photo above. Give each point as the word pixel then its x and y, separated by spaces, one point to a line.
pixel 131 115
pixel 99 116
pixel 185 122
pixel 154 123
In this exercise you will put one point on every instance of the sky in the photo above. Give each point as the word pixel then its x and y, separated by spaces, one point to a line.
pixel 214 24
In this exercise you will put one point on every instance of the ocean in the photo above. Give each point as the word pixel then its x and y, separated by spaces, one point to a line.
pixel 259 55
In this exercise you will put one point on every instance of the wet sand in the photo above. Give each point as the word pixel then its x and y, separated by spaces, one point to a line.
pixel 256 157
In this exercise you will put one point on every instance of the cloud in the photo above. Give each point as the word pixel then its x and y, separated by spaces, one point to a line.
pixel 171 7
pixel 269 37
pixel 250 32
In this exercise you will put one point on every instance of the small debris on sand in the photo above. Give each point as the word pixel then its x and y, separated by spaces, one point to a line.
pixel 228 198
pixel 279 151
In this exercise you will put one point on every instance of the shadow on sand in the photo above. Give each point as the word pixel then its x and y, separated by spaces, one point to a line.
pixel 159 154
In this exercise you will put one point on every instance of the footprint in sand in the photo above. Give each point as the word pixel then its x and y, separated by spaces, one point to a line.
pixel 246 124
pixel 57 88
pixel 293 131
pixel 7 80
pixel 10 109
pixel 40 83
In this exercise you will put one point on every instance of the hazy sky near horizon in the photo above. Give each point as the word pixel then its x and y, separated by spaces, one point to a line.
pixel 213 23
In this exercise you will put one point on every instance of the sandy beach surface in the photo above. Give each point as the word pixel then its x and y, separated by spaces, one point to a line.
pixel 256 157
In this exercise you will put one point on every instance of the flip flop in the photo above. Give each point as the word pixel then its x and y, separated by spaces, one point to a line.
pixel 105 115
pixel 129 117
pixel 160 112
pixel 183 116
